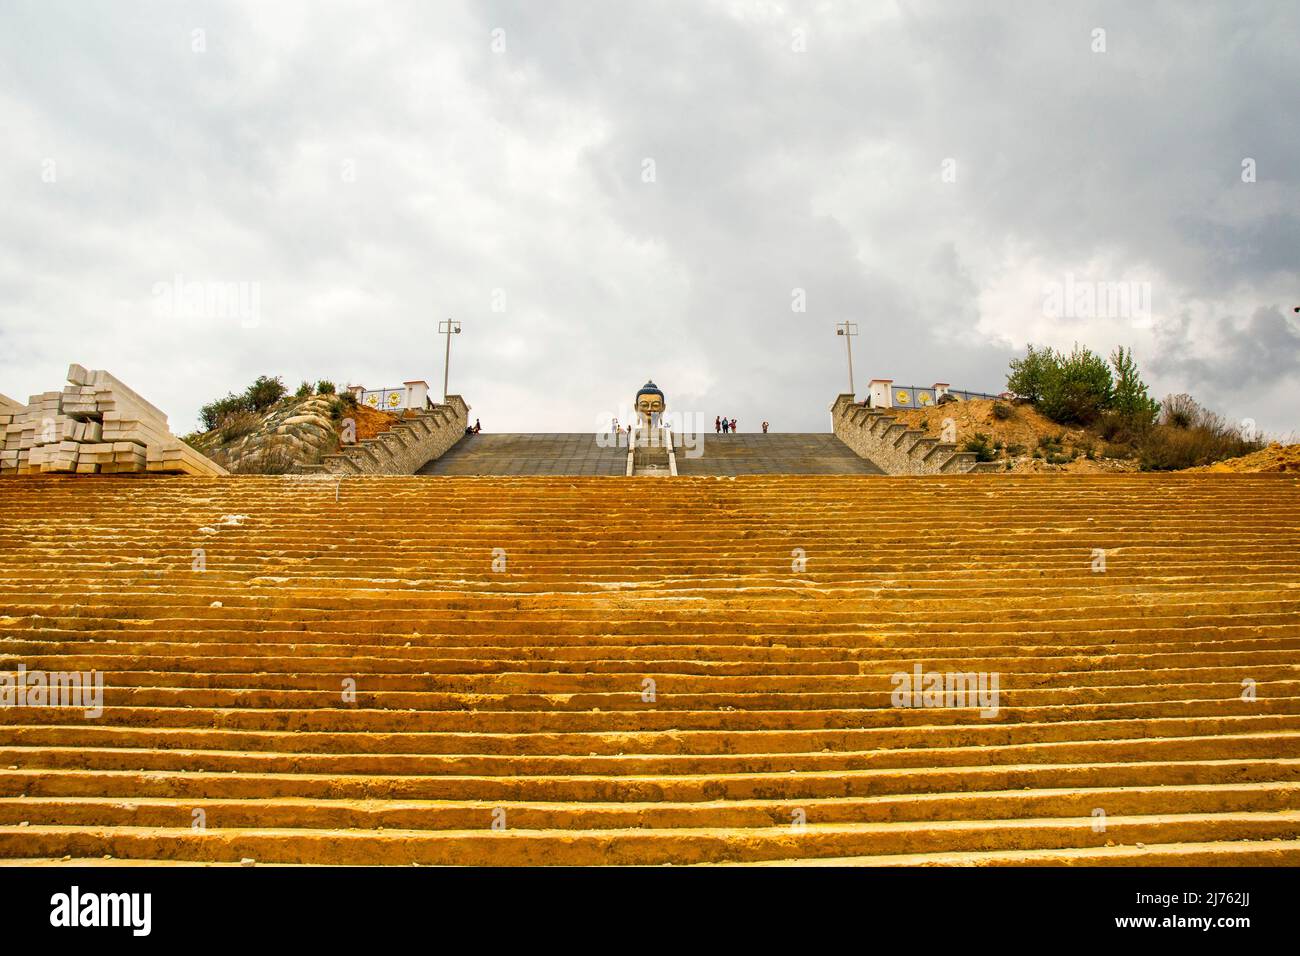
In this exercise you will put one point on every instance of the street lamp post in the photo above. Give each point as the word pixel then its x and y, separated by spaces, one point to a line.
pixel 447 327
pixel 848 330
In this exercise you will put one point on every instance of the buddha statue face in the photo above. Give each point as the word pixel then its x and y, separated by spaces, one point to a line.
pixel 649 404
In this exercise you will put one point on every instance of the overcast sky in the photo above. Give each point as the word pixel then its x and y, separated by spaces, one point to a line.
pixel 605 192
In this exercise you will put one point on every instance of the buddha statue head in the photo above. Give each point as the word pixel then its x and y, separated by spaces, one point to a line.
pixel 649 404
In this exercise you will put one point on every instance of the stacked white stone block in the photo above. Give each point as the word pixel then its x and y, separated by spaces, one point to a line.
pixel 12 434
pixel 95 425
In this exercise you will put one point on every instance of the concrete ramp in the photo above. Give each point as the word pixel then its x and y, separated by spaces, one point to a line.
pixel 774 454
pixel 561 453
pixel 577 453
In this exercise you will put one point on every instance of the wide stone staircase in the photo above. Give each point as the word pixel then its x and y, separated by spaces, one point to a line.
pixel 562 453
pixel 608 671
pixel 709 454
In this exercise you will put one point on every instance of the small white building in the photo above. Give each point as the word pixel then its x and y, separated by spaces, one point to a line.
pixel 409 395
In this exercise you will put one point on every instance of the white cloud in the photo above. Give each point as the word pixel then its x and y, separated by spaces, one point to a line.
pixel 474 171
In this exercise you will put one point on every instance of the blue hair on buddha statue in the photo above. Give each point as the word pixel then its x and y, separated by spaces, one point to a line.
pixel 650 388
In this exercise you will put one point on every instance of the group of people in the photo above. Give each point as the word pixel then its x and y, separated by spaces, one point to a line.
pixel 723 425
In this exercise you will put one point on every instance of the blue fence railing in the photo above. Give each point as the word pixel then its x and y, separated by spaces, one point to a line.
pixel 914 396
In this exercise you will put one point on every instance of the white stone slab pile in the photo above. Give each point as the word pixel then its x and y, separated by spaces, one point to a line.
pixel 95 425
pixel 12 421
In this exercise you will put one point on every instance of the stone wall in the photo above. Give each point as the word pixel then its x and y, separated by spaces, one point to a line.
pixel 408 445
pixel 879 437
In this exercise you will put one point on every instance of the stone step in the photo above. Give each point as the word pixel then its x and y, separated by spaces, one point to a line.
pixel 1164 691
pixel 643 846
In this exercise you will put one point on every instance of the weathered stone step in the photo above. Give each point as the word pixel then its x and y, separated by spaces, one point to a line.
pixel 453 815
pixel 1221 746
pixel 1253 853
pixel 635 847
pixel 737 740
pixel 595 720
pixel 194 784
pixel 863 677
pixel 521 688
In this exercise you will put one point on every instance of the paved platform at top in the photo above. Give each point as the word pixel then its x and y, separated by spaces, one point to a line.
pixel 577 453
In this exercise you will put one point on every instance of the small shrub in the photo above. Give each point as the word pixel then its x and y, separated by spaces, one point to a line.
pixel 1055 459
pixel 1209 439
pixel 1180 411
pixel 1051 446
pixel 238 424
pixel 1114 427
pixel 1001 411
pixel 1038 453
pixel 981 447
pixel 1015 451
pixel 213 413
pixel 349 400
pixel 1111 450
pixel 304 390
pixel 265 392
pixel 324 387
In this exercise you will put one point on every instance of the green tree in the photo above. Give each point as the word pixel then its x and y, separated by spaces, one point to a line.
pixel 1078 388
pixel 1029 375
pixel 1130 400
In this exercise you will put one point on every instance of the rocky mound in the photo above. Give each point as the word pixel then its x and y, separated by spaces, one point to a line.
pixel 292 433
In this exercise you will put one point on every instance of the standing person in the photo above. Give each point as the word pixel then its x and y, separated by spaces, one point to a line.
pixel 726 426
pixel 733 426
pixel 717 423
pixel 764 428
pixel 477 427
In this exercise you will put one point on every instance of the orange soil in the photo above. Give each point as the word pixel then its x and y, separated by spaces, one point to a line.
pixel 370 421
pixel 1025 427
pixel 1275 457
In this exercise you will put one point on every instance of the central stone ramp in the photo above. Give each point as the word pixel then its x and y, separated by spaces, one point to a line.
pixel 564 453
pixel 774 454
pixel 578 453
pixel 390 670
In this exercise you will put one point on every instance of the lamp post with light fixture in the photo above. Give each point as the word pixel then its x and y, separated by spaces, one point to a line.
pixel 447 327
pixel 848 330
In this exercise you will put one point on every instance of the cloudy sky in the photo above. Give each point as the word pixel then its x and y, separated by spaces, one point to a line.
pixel 604 192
